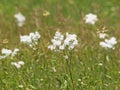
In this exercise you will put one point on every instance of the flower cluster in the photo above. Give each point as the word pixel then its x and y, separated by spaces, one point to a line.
pixel 56 41
pixel 71 41
pixel 91 18
pixel 109 43
pixel 31 39
pixel 17 64
pixel 7 52
pixel 59 43
pixel 20 19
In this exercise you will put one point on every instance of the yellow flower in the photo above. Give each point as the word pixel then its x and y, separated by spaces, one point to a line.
pixel 46 13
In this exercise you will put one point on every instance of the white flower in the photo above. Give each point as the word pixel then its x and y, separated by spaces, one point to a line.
pixel 20 19
pixel 59 43
pixel 34 36
pixel 6 52
pixel 21 63
pixel 51 47
pixel 91 18
pixel 62 47
pixel 58 36
pixel 17 64
pixel 109 43
pixel 26 39
pixel 16 50
pixel 70 41
pixel 31 39
pixel 56 41
pixel 102 35
pixel 105 45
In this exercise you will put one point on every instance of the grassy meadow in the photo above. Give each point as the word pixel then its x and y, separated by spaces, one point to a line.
pixel 87 67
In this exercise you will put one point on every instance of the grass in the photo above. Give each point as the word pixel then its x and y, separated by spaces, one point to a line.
pixel 47 70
